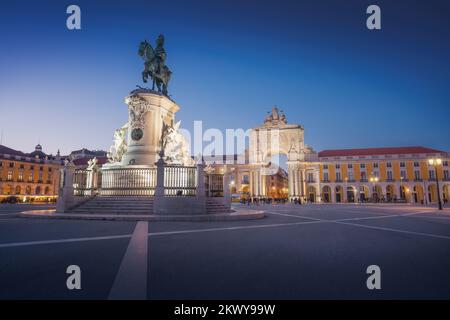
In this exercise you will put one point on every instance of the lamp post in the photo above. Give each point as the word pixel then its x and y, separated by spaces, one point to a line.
pixel 374 179
pixel 435 162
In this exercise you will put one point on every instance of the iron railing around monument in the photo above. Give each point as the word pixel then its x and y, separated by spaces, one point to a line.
pixel 80 183
pixel 180 181
pixel 214 185
pixel 127 182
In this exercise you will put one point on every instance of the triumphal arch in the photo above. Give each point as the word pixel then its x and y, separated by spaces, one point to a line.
pixel 277 137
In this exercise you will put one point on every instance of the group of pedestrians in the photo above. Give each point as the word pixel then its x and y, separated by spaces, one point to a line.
pixel 248 200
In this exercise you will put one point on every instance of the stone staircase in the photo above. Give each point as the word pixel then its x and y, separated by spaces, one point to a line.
pixel 134 206
pixel 215 206
pixel 116 205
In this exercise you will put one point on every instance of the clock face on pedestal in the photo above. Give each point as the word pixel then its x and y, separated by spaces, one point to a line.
pixel 137 134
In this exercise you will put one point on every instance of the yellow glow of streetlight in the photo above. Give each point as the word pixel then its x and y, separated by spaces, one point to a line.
pixel 435 161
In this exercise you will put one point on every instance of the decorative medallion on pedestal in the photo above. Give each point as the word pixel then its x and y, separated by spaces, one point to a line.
pixel 137 134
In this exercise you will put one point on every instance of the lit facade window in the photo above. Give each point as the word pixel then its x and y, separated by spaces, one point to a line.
pixel 417 175
pixel 403 174
pixel 30 177
pixel 10 175
pixel 389 175
pixel 20 176
pixel 431 174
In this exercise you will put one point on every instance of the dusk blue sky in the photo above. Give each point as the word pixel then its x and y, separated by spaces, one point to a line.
pixel 231 61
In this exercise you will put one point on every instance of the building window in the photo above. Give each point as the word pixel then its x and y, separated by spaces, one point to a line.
pixel 416 164
pixel 325 167
pixel 375 164
pixel 21 166
pixel 49 169
pixel 20 177
pixel 389 175
pixel 402 164
pixel 350 175
pixel 310 177
pixel 11 164
pixel 30 177
pixel 31 167
pixel 389 165
pixel 403 174
pixel 41 168
pixel 325 176
pixel 446 175
pixel 1 164
pixel 431 174
pixel 362 165
pixel 350 166
pixel 338 166
pixel 10 175
pixel 444 163
pixel 417 174
pixel 338 176
pixel 40 177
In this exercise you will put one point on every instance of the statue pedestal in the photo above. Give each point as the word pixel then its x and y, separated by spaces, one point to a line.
pixel 147 111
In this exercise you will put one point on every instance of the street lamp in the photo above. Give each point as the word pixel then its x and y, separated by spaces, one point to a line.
pixel 374 179
pixel 435 162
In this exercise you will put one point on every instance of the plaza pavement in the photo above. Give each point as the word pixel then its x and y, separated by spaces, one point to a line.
pixel 296 252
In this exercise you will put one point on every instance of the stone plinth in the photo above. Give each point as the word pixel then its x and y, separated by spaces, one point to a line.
pixel 147 111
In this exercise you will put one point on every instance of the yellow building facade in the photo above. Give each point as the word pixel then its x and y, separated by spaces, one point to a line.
pixel 400 174
pixel 28 176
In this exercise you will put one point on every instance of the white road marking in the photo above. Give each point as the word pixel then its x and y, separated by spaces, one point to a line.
pixel 131 279
pixel 233 228
pixel 32 243
pixel 394 230
pixel 314 220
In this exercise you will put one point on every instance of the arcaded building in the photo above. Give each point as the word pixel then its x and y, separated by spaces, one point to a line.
pixel 30 176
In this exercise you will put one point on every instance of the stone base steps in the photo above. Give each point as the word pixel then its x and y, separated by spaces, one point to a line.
pixel 135 206
pixel 214 206
pixel 116 206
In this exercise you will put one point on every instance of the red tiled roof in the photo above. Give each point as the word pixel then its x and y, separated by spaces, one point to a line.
pixel 377 151
pixel 84 161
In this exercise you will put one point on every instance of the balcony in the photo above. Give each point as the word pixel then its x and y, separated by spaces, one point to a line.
pixel 418 179
pixel 325 181
pixel 390 180
pixel 363 180
pixel 338 180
